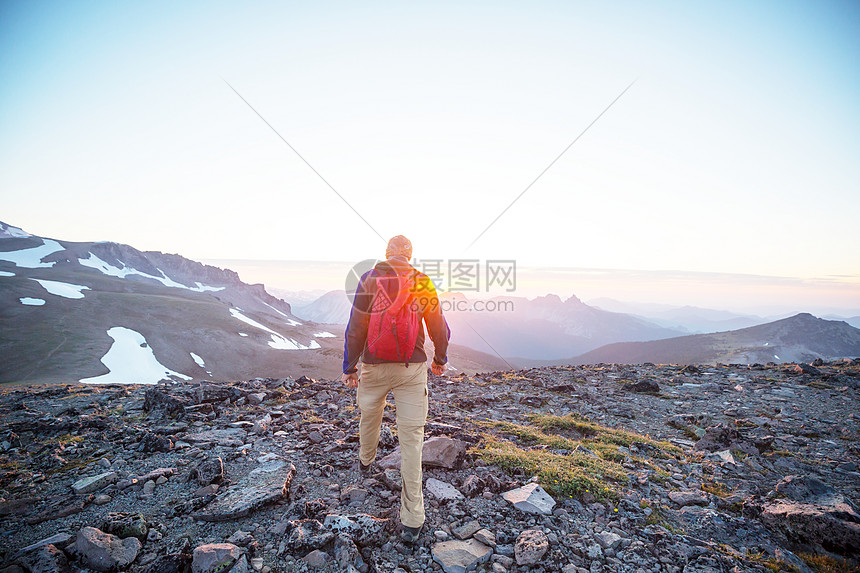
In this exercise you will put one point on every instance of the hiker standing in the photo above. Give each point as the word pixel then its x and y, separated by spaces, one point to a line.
pixel 385 332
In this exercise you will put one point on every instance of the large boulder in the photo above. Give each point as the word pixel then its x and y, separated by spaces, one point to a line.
pixel 105 552
pixel 317 559
pixel 158 400
pixel 60 540
pixel 807 489
pixel 125 525
pixel 208 471
pixel 531 546
pixel 813 516
pixel 645 386
pixel 307 535
pixel 443 452
pixel 816 527
pixel 208 393
pixel 215 558
pixel 346 553
pixel 805 369
pixel 94 483
pixel 46 559
pixel 443 491
pixel 249 495
pixel 531 498
pixel 154 443
pixel 467 530
pixel 460 556
pixel 472 486
pixel 723 437
pixel 437 452
pixel 684 498
pixel 171 563
pixel 363 528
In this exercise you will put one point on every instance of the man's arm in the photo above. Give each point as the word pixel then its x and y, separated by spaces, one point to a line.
pixel 355 336
pixel 437 326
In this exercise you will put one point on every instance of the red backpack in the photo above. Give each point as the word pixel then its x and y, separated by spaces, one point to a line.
pixel 394 319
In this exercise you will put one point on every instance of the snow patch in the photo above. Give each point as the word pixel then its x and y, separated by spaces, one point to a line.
pixel 243 334
pixel 324 334
pixel 64 290
pixel 775 356
pixel 10 232
pixel 199 362
pixel 28 301
pixel 290 321
pixel 6 274
pixel 278 342
pixel 130 360
pixel 96 263
pixel 32 258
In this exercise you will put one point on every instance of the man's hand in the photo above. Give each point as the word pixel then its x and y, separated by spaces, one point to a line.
pixel 438 369
pixel 350 380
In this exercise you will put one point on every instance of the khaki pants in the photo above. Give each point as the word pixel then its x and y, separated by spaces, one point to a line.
pixel 409 385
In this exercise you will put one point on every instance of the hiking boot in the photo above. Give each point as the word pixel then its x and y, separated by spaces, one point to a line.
pixel 364 470
pixel 409 534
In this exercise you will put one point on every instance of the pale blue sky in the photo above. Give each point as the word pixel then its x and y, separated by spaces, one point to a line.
pixel 736 151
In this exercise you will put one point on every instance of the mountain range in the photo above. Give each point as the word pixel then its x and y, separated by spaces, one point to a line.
pixel 550 331
pixel 107 312
pixel 800 338
pixel 690 319
pixel 545 327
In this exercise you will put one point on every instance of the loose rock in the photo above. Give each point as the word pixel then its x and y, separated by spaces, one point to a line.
pixel 530 498
pixel 531 546
pixel 105 552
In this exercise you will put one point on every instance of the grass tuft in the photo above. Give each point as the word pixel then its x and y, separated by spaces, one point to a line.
pixel 716 488
pixel 827 564
pixel 65 440
pixel 595 433
pixel 586 461
pixel 572 475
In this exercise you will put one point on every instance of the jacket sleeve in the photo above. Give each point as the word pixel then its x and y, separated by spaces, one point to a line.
pixel 355 337
pixel 437 326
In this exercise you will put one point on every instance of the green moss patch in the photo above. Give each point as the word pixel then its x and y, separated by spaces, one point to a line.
pixel 570 455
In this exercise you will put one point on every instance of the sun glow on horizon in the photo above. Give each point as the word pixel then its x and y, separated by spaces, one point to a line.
pixel 733 153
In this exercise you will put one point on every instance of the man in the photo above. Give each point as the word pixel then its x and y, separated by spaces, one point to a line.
pixel 395 291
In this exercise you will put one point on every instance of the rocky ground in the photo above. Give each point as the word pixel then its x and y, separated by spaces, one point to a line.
pixel 574 469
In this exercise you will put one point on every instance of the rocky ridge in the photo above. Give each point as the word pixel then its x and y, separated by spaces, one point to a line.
pixel 589 468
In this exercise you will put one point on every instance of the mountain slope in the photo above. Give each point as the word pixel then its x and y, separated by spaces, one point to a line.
pixel 541 328
pixel 691 319
pixel 106 312
pixel 800 338
pixel 331 308
pixel 60 300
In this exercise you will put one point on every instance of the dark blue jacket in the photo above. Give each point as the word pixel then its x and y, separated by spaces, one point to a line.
pixel 355 338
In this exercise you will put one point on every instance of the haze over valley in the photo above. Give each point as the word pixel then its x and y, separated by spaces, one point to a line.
pixel 108 313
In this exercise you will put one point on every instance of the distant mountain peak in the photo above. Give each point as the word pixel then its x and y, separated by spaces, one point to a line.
pixel 805 316
pixel 799 338
pixel 11 232
pixel 548 299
